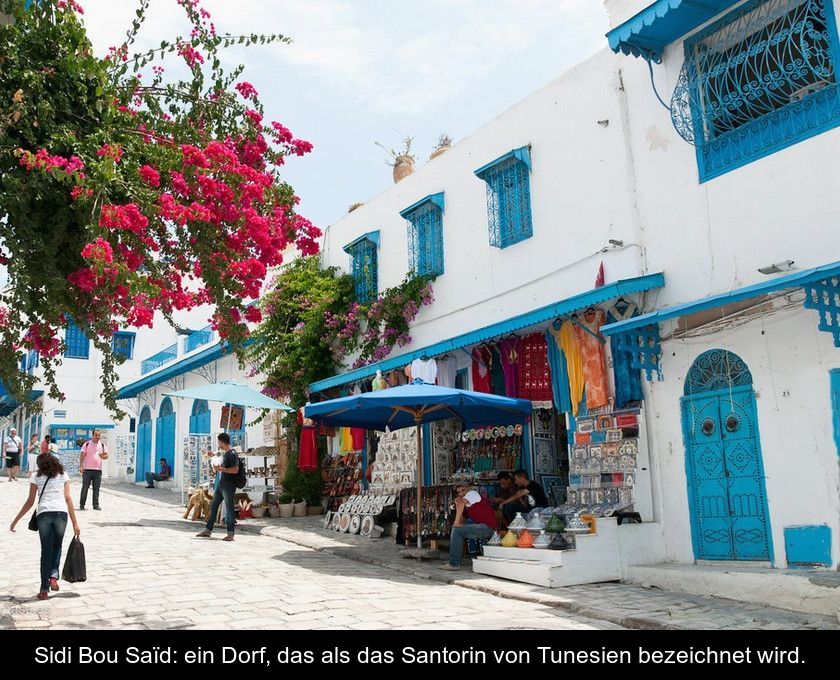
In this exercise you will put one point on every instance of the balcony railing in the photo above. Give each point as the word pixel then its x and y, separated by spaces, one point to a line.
pixel 198 339
pixel 159 359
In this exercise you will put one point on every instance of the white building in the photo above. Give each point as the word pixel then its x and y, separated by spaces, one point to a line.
pixel 743 427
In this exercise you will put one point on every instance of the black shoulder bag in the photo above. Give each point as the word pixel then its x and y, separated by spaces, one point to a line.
pixel 33 521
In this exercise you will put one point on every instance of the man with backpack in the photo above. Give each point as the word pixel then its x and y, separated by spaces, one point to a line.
pixel 233 477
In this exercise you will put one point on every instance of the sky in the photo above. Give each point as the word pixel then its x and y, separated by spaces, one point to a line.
pixel 365 71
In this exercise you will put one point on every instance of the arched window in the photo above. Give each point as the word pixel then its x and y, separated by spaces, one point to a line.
pixel 166 408
pixel 716 369
pixel 145 415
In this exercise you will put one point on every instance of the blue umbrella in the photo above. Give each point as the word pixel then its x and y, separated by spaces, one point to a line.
pixel 412 405
pixel 230 392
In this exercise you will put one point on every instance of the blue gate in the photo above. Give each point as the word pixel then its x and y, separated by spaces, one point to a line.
pixel 726 491
pixel 144 445
pixel 165 435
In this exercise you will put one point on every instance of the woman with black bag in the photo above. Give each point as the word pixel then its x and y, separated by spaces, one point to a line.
pixel 51 486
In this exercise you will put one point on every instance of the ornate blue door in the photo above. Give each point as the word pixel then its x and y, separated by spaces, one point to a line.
pixel 726 491
pixel 144 445
pixel 200 418
pixel 165 435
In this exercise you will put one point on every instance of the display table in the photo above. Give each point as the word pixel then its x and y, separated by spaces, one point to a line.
pixel 595 559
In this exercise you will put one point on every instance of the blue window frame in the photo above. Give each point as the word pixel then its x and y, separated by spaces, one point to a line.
pixel 123 344
pixel 198 339
pixel 77 343
pixel 758 80
pixel 508 197
pixel 425 235
pixel 364 266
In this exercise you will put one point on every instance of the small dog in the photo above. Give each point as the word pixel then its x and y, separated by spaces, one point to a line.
pixel 199 504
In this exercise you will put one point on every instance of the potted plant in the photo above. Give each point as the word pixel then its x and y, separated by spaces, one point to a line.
pixel 443 144
pixel 287 507
pixel 258 511
pixel 299 509
pixel 402 161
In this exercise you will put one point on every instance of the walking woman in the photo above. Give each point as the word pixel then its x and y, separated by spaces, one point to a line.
pixel 51 488
pixel 32 455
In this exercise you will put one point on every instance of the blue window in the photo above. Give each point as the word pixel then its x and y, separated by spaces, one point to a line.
pixel 123 344
pixel 157 360
pixel 508 197
pixel 198 339
pixel 425 236
pixel 364 266
pixel 77 343
pixel 756 81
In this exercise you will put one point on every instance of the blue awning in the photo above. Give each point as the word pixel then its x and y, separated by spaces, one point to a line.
pixel 813 280
pixel 437 199
pixel 537 316
pixel 8 403
pixel 648 33
pixel 372 236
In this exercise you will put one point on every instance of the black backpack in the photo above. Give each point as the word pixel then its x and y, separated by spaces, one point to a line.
pixel 242 475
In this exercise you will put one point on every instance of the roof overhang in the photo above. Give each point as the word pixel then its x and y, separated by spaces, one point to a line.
pixel 8 403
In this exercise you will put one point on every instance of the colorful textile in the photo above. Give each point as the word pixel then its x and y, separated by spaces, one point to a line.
pixel 559 374
pixel 345 440
pixel 447 370
pixel 594 361
pixel 481 369
pixel 628 380
pixel 357 436
pixel 568 340
pixel 308 449
pixel 497 374
pixel 509 352
pixel 534 373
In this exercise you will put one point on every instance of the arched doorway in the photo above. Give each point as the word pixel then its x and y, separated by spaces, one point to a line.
pixel 165 435
pixel 200 417
pixel 726 492
pixel 144 444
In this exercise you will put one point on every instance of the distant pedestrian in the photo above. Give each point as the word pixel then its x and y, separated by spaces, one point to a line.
pixel 32 455
pixel 48 446
pixel 164 474
pixel 93 453
pixel 51 488
pixel 12 449
pixel 226 490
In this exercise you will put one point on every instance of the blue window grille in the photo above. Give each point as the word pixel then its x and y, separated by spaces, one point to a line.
pixel 159 359
pixel 508 197
pixel 756 81
pixel 364 266
pixel 77 344
pixel 425 236
pixel 123 344
pixel 198 339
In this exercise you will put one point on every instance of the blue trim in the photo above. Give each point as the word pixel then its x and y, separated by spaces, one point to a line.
pixel 83 426
pixel 427 454
pixel 191 363
pixel 807 546
pixel 372 236
pixel 77 343
pixel 834 376
pixel 794 280
pixel 522 154
pixel 9 405
pixel 648 33
pixel 437 199
pixel 537 316
pixel 128 336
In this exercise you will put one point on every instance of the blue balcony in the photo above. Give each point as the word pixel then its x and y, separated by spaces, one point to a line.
pixel 157 360
pixel 198 339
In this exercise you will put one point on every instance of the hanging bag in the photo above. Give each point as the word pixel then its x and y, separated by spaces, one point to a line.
pixel 75 569
pixel 33 521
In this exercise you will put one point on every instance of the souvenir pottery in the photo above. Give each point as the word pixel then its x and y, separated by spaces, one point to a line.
pixel 542 541
pixel 555 525
pixel 366 527
pixel 559 542
pixel 355 523
pixel 495 539
pixel 577 526
pixel 509 431
pixel 518 522
pixel 335 521
pixel 536 523
pixel 509 540
pixel 525 540
pixel 344 522
pixel 325 523
pixel 518 430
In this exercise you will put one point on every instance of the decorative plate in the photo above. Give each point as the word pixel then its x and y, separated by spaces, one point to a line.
pixel 509 430
pixel 344 522
pixel 390 500
pixel 327 520
pixel 465 436
pixel 355 522
pixel 366 526
pixel 518 430
pixel 334 521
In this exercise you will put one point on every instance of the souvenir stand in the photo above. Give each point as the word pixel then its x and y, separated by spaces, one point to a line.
pixel 124 448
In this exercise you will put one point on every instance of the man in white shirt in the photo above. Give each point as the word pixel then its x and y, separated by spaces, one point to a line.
pixel 93 453
pixel 12 448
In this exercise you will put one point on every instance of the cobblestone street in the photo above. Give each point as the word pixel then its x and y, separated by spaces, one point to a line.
pixel 146 570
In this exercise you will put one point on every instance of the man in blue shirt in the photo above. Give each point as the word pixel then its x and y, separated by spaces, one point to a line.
pixel 226 491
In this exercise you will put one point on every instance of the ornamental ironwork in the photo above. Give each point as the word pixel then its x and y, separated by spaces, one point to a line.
pixel 508 202
pixel 425 239
pixel 757 80
pixel 717 369
pixel 824 297
pixel 364 268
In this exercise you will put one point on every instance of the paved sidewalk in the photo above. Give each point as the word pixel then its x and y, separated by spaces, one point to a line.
pixel 626 605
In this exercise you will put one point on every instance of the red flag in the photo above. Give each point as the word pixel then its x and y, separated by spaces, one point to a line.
pixel 599 280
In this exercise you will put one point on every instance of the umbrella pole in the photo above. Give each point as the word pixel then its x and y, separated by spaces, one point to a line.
pixel 419 480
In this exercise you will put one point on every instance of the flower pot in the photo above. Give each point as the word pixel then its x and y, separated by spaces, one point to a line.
pixel 314 510
pixel 286 509
pixel 258 511
pixel 403 167
pixel 274 511
pixel 299 509
pixel 437 152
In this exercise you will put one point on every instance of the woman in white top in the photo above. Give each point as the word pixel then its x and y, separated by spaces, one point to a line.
pixel 51 488
pixel 32 455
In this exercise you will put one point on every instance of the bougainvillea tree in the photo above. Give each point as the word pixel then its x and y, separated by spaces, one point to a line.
pixel 132 184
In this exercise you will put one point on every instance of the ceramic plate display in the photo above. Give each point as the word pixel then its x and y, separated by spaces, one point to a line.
pixel 355 523
pixel 390 500
pixel 366 526
pixel 334 521
pixel 344 522
pixel 327 519
pixel 509 431
pixel 518 430
pixel 377 509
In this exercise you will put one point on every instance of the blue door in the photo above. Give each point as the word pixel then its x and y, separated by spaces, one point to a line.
pixel 835 406
pixel 200 418
pixel 144 445
pixel 726 489
pixel 165 435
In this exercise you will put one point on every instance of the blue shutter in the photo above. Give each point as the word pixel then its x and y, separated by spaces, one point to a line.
pixel 123 344
pixel 425 236
pixel 77 343
pixel 365 270
pixel 508 198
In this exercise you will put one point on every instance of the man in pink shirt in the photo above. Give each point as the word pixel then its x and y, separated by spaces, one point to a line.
pixel 93 453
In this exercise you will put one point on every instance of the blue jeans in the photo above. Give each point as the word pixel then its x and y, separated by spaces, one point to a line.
pixel 51 527
pixel 456 540
pixel 223 494
pixel 152 477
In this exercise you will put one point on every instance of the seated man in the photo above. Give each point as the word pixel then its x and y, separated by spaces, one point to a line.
pixel 528 495
pixel 504 490
pixel 164 474
pixel 474 518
